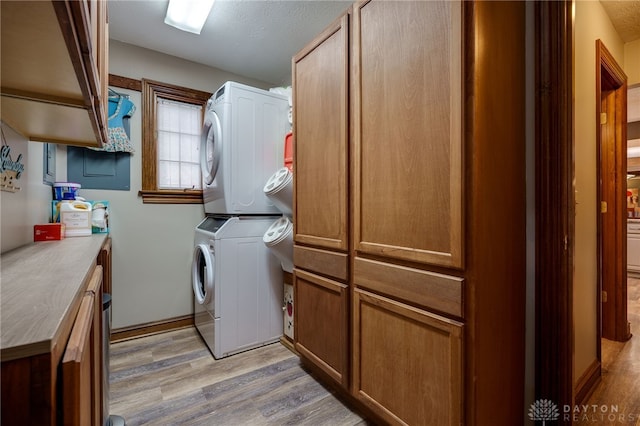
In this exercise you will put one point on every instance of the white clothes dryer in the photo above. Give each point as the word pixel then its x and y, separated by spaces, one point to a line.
pixel 242 143
pixel 237 285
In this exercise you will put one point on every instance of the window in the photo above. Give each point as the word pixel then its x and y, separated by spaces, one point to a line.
pixel 172 121
pixel 178 126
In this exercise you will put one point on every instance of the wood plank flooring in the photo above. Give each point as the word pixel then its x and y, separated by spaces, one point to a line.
pixel 172 379
pixel 620 384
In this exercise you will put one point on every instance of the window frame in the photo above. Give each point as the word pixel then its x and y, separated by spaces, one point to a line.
pixel 151 91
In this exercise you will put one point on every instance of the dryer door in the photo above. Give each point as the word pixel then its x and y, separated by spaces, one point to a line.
pixel 210 147
pixel 202 274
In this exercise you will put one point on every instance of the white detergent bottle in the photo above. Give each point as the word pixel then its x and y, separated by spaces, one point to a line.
pixel 76 216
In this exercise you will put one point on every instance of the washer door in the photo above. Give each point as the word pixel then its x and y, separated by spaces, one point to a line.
pixel 202 274
pixel 210 147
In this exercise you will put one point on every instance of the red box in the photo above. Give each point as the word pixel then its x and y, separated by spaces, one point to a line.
pixel 48 232
pixel 288 151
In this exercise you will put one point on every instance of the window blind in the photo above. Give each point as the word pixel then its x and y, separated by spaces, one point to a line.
pixel 179 125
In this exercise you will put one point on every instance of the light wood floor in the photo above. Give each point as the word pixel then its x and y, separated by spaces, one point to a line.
pixel 172 379
pixel 620 384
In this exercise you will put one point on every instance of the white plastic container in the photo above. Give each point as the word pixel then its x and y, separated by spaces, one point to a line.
pixel 279 238
pixel 279 189
pixel 76 216
pixel 65 190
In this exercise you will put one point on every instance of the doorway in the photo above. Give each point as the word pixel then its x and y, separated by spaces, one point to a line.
pixel 611 148
pixel 555 209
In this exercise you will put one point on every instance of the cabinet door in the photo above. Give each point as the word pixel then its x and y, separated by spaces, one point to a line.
pixel 100 32
pixel 82 360
pixel 407 130
pixel 407 363
pixel 77 399
pixel 321 323
pixel 91 23
pixel 95 289
pixel 104 260
pixel 320 94
pixel 90 18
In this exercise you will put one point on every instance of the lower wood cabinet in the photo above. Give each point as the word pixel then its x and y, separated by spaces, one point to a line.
pixel 321 334
pixel 76 368
pixel 407 363
pixel 104 260
pixel 96 289
pixel 63 386
pixel 82 361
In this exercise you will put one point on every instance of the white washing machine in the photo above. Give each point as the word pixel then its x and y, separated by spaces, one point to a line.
pixel 242 143
pixel 237 284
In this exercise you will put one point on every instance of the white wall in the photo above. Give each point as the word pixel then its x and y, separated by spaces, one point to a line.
pixel 29 206
pixel 135 62
pixel 152 243
pixel 591 23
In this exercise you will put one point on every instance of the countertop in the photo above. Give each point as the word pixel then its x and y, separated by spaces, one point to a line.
pixel 38 284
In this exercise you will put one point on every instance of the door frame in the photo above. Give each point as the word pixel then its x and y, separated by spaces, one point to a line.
pixel 611 148
pixel 555 219
pixel 555 208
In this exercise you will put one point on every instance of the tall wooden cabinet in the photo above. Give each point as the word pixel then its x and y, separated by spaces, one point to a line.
pixel 407 197
pixel 429 306
pixel 320 74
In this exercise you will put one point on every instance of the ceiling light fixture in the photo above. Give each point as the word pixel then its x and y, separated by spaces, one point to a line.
pixel 188 15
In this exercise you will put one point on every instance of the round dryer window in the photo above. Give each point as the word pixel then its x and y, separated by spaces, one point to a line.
pixel 210 147
pixel 202 274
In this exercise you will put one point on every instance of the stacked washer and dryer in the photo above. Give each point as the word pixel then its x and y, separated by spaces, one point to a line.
pixel 237 280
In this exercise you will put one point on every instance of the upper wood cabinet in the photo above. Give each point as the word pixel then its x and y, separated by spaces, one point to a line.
pixel 54 70
pixel 320 91
pixel 407 131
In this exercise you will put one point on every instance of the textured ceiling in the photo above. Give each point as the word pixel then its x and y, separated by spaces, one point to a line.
pixel 257 38
pixel 625 16
pixel 251 38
